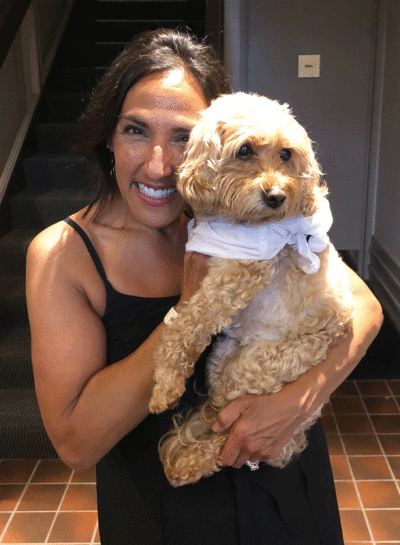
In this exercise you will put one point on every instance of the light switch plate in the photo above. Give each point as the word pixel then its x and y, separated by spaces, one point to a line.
pixel 309 66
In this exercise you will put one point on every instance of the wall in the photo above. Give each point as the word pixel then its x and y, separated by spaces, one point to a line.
pixel 352 111
pixel 385 243
pixel 335 107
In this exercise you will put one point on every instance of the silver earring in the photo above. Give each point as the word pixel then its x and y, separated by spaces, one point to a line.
pixel 112 167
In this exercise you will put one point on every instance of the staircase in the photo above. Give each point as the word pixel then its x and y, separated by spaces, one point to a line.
pixel 54 182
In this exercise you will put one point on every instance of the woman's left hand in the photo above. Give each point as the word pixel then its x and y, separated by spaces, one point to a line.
pixel 261 426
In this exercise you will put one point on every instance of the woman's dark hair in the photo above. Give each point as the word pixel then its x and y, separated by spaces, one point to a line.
pixel 149 53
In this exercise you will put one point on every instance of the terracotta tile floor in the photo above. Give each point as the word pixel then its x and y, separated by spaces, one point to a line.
pixel 42 501
pixel 362 425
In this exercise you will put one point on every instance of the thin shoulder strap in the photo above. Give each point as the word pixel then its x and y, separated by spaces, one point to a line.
pixel 94 255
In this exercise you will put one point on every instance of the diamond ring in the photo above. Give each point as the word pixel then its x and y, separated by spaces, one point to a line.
pixel 253 465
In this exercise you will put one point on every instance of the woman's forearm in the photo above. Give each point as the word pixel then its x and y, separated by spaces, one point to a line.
pixel 113 402
pixel 263 424
pixel 319 382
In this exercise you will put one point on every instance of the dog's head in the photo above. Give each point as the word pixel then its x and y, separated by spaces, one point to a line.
pixel 249 160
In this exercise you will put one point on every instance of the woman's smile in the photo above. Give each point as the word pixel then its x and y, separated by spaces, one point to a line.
pixel 155 197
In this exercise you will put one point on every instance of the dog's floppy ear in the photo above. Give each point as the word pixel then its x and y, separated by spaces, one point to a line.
pixel 200 165
pixel 311 200
pixel 314 189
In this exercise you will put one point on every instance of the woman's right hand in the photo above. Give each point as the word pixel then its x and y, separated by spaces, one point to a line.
pixel 194 270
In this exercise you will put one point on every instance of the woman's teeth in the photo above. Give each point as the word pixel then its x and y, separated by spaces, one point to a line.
pixel 155 193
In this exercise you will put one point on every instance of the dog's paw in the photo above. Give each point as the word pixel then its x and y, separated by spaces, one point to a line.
pixel 163 399
pixel 191 464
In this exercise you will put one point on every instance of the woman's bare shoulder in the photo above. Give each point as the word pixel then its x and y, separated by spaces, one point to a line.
pixel 58 251
pixel 57 242
pixel 52 239
pixel 58 260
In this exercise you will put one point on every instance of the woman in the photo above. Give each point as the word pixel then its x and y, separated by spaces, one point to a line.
pixel 98 289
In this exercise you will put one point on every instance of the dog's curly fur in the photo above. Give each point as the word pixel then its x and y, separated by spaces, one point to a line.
pixel 277 321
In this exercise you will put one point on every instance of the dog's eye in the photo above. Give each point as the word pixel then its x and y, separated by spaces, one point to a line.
pixel 244 152
pixel 285 155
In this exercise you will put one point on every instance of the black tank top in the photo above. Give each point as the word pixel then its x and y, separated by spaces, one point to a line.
pixel 137 505
pixel 128 319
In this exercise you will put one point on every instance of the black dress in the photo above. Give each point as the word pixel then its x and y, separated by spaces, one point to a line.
pixel 136 504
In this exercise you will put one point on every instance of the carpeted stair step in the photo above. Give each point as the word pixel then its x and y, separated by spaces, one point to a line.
pixel 124 31
pixel 155 10
pixel 15 358
pixel 66 106
pixel 40 211
pixel 55 184
pixel 21 426
pixel 13 249
pixel 56 137
pixel 44 172
pixel 13 311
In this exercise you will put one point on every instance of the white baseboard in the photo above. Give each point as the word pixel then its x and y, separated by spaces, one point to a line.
pixel 384 279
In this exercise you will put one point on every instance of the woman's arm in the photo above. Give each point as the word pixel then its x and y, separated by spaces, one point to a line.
pixel 262 425
pixel 86 407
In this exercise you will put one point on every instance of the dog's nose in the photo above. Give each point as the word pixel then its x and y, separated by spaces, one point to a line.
pixel 274 198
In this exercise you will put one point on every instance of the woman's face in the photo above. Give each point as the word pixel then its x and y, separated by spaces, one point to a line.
pixel 156 118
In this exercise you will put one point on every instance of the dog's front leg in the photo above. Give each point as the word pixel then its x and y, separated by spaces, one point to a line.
pixel 190 450
pixel 227 288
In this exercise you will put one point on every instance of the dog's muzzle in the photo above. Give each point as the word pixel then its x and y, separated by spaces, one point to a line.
pixel 274 198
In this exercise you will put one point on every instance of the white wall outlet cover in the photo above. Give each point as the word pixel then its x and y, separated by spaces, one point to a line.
pixel 309 66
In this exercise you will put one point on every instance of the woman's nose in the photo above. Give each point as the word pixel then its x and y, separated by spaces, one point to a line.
pixel 158 164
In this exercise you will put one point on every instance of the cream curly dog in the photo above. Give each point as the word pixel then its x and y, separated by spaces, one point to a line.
pixel 276 287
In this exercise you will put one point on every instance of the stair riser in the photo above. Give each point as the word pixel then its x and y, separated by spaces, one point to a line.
pixel 78 66
pixel 12 264
pixel 16 374
pixel 124 31
pixel 13 311
pixel 26 443
pixel 15 359
pixel 57 138
pixel 74 79
pixel 13 249
pixel 22 431
pixel 148 10
pixel 44 173
pixel 31 211
pixel 66 107
pixel 101 54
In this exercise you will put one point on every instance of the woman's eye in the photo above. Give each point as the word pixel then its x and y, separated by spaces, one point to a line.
pixel 285 155
pixel 244 152
pixel 132 129
pixel 183 138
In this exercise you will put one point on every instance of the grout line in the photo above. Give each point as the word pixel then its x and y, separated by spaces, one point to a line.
pixel 394 397
pixel 96 526
pixel 18 502
pixel 352 475
pixel 379 441
pixel 55 511
pixel 396 481
pixel 364 510
pixel 59 507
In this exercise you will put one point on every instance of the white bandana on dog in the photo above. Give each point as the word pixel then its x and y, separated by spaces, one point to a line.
pixel 218 237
